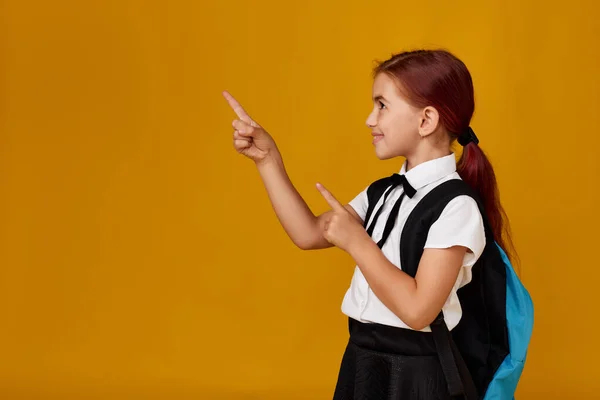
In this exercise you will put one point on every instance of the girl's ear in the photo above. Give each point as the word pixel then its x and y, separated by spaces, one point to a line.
pixel 429 121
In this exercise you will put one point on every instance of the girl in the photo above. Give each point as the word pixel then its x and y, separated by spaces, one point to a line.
pixel 422 102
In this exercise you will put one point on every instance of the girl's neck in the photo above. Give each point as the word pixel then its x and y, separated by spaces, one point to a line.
pixel 425 155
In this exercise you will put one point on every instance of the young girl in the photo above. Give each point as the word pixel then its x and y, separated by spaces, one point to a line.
pixel 422 103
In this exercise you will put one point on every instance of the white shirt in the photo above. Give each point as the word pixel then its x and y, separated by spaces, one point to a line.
pixel 460 224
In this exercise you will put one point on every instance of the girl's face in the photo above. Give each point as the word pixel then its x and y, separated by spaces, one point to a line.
pixel 394 122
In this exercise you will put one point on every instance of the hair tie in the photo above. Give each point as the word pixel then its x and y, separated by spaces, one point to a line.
pixel 467 137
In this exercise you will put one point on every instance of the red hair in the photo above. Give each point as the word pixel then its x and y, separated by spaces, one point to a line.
pixel 438 79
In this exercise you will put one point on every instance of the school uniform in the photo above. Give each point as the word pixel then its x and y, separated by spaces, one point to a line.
pixel 385 358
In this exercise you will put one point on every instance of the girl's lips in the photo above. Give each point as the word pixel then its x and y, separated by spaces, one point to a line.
pixel 377 137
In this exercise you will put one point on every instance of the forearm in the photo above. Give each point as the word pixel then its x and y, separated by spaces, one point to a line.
pixel 396 289
pixel 296 218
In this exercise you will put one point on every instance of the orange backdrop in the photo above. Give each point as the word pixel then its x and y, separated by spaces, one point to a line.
pixel 139 255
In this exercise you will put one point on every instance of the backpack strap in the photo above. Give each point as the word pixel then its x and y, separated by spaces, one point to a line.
pixel 425 213
pixel 412 243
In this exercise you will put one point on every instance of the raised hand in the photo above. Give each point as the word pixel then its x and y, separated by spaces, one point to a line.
pixel 341 228
pixel 249 138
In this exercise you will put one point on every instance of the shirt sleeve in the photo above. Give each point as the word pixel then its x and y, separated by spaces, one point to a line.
pixel 460 224
pixel 360 204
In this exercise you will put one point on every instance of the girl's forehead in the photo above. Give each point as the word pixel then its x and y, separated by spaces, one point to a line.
pixel 384 85
pixel 382 81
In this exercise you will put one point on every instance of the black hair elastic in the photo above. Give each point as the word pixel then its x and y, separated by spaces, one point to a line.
pixel 467 137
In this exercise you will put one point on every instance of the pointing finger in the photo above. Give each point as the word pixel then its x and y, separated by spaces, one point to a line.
pixel 331 200
pixel 238 109
pixel 236 106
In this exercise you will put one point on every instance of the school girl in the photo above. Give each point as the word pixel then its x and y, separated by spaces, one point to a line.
pixel 423 102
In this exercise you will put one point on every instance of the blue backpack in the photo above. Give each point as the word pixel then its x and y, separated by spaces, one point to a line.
pixel 484 355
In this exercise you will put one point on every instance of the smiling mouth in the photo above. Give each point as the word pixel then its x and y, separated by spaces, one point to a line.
pixel 377 137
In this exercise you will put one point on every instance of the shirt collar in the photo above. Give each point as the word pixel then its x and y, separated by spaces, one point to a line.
pixel 430 171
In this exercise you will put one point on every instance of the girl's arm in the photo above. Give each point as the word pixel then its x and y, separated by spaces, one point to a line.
pixel 416 301
pixel 302 226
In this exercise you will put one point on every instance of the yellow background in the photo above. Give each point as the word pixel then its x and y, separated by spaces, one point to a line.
pixel 139 255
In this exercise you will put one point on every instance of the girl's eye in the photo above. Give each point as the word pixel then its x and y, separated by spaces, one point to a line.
pixel 381 105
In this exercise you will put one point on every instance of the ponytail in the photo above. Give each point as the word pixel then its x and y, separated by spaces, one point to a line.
pixel 476 170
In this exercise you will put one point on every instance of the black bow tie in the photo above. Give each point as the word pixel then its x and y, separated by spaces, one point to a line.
pixel 398 180
pixel 395 180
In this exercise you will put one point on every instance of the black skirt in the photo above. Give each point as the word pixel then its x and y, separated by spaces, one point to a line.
pixel 388 363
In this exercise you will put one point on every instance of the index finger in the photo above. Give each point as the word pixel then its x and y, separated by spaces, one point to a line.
pixel 331 200
pixel 237 108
